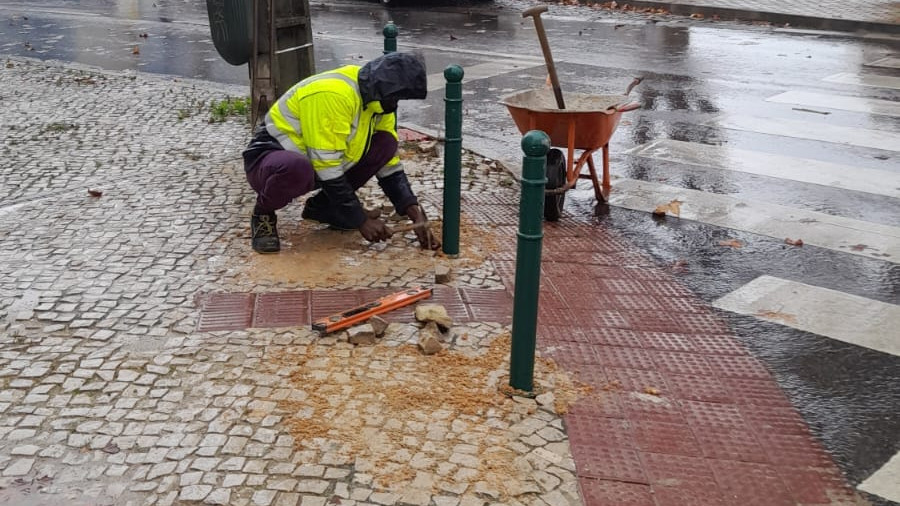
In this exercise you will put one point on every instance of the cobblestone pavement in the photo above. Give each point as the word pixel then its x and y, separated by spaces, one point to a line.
pixel 110 395
pixel 125 214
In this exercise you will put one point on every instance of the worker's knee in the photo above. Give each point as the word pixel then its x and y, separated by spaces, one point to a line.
pixel 290 171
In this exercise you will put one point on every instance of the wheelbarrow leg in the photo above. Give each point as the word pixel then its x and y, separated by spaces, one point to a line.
pixel 598 191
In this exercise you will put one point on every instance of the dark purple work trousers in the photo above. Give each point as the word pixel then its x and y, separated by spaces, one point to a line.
pixel 281 176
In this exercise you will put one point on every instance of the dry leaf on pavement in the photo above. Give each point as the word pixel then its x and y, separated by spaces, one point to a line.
pixel 794 242
pixel 732 243
pixel 673 208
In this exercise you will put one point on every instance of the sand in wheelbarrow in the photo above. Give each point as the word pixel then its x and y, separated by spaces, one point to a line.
pixel 544 100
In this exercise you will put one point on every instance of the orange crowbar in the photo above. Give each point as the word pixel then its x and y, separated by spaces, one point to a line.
pixel 362 313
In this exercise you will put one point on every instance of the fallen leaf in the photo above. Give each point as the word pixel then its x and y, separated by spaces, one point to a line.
pixel 94 192
pixel 794 242
pixel 112 448
pixel 135 50
pixel 697 15
pixel 651 391
pixel 673 208
pixel 732 243
pixel 777 315
pixel 858 247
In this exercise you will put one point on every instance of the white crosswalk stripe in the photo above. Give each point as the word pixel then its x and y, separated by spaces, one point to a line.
pixel 818 131
pixel 840 102
pixel 873 80
pixel 848 318
pixel 836 233
pixel 884 482
pixel 793 168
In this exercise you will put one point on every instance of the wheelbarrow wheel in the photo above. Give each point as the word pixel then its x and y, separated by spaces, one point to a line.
pixel 556 178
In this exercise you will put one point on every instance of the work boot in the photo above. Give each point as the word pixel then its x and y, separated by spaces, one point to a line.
pixel 316 208
pixel 264 233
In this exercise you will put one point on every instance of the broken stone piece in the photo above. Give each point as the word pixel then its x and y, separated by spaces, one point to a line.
pixel 430 339
pixel 379 325
pixel 434 313
pixel 441 274
pixel 361 334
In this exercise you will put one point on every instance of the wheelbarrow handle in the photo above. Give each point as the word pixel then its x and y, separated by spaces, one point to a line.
pixel 535 13
pixel 630 106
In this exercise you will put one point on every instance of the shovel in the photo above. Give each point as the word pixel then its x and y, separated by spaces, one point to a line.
pixel 535 13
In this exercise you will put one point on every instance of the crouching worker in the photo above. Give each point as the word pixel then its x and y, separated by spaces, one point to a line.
pixel 332 132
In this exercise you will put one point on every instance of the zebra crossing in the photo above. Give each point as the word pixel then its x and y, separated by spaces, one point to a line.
pixel 819 310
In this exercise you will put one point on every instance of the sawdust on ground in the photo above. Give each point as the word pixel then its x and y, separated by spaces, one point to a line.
pixel 398 414
pixel 316 256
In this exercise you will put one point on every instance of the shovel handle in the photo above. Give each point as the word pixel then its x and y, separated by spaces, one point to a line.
pixel 535 13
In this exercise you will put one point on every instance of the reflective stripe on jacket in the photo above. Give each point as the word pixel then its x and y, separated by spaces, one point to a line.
pixel 323 117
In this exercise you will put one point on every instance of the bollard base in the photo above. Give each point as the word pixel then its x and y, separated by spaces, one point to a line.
pixel 515 392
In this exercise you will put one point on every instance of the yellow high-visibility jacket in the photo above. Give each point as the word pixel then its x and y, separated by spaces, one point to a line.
pixel 324 118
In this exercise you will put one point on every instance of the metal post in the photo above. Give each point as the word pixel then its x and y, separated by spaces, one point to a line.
pixel 452 159
pixel 390 37
pixel 535 145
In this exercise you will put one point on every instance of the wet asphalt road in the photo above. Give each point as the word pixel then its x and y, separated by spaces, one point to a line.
pixel 694 72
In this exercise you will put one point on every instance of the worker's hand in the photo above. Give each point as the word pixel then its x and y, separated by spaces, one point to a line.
pixel 426 237
pixel 374 230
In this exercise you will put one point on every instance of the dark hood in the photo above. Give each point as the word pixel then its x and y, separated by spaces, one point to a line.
pixel 399 76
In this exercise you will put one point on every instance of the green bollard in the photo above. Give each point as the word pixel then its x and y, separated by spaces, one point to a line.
pixel 390 37
pixel 452 159
pixel 535 144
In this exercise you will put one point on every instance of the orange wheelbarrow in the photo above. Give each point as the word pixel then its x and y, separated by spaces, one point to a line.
pixel 586 124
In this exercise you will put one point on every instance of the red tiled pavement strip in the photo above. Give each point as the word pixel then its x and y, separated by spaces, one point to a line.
pixel 681 413
pixel 237 311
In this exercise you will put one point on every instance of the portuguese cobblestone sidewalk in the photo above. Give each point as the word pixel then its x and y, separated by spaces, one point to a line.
pixel 147 356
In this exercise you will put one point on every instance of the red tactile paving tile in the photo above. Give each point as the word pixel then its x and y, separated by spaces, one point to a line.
pixel 622 286
pixel 600 403
pixel 633 302
pixel 553 333
pixel 611 432
pixel 326 303
pixel 698 388
pixel 617 356
pixel 570 353
pixel 285 309
pixel 602 318
pixel 651 321
pixel 703 416
pixel 738 366
pixel 791 450
pixel 491 214
pixel 452 301
pixel 756 392
pixel 669 341
pixel 510 199
pixel 730 444
pixel 718 344
pixel 637 380
pixel 675 438
pixel 681 362
pixel 595 460
pixel 615 493
pixel 611 336
pixel 226 311
pixel 590 374
pixel 774 420
pixel 816 486
pixel 751 484
pixel 640 406
pixel 700 323
pixel 555 316
pixel 549 298
pixel 681 304
pixel 681 480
